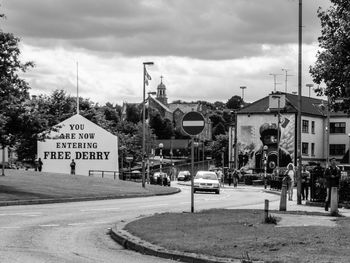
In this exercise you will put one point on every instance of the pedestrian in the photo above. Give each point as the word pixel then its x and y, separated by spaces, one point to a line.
pixel 40 165
pixel 36 164
pixel 72 167
pixel 221 177
pixel 230 174
pixel 332 175
pixel 235 178
pixel 290 173
pixel 305 181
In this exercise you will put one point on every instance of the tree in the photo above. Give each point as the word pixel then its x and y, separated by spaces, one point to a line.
pixel 332 66
pixel 234 103
pixel 13 89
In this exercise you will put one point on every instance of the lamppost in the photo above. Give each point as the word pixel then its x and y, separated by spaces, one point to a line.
pixel 278 130
pixel 161 145
pixel 149 133
pixel 309 86
pixel 145 75
pixel 349 147
pixel 243 88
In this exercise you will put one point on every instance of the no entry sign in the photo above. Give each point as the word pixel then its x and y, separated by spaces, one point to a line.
pixel 193 123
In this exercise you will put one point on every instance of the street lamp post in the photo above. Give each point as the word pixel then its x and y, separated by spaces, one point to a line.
pixel 349 147
pixel 309 86
pixel 278 130
pixel 161 156
pixel 243 88
pixel 143 121
pixel 149 133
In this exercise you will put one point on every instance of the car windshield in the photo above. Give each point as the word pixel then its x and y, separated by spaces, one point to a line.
pixel 207 176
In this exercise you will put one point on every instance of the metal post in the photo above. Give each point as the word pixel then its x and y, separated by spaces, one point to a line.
pixel 299 156
pixel 144 121
pixel 3 161
pixel 349 147
pixel 278 135
pixel 235 156
pixel 192 175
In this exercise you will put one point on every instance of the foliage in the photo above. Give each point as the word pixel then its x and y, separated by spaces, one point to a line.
pixel 13 89
pixel 219 129
pixel 133 113
pixel 234 103
pixel 333 61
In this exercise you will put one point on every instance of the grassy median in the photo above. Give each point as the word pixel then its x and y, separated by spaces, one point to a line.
pixel 30 185
pixel 243 234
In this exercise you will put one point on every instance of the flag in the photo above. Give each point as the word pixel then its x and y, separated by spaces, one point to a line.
pixel 146 82
pixel 284 121
pixel 147 75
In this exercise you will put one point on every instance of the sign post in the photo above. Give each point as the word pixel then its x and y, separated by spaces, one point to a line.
pixel 192 124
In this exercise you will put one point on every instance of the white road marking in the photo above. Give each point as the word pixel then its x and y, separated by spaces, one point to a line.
pixel 49 225
pixel 21 214
pixel 9 227
pixel 155 205
pixel 100 209
pixel 77 224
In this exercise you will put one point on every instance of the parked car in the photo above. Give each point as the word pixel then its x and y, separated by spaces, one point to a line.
pixel 160 179
pixel 206 181
pixel 184 176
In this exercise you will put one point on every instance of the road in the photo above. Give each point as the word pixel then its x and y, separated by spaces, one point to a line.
pixel 76 232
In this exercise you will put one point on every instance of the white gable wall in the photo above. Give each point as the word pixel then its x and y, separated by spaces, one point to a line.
pixel 91 147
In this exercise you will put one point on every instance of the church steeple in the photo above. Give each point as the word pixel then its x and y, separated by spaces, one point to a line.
pixel 161 92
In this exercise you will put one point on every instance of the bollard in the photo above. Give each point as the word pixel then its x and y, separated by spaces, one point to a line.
pixel 334 200
pixel 266 210
pixel 283 200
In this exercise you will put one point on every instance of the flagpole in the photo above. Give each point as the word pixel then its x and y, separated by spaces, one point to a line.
pixel 77 88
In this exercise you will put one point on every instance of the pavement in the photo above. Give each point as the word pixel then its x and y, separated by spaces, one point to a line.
pixel 321 218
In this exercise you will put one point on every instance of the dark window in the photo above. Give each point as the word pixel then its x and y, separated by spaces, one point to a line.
pixel 312 149
pixel 336 149
pixel 313 127
pixel 337 127
pixel 305 127
pixel 305 148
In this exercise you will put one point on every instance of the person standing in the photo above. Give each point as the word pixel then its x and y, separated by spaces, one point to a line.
pixel 40 165
pixel 332 175
pixel 290 173
pixel 305 180
pixel 235 178
pixel 230 172
pixel 72 167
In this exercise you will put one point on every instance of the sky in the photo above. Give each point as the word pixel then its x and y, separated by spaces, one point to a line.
pixel 204 49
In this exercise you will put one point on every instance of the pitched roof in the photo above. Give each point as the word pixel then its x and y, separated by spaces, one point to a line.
pixel 310 106
pixel 161 104
pixel 184 107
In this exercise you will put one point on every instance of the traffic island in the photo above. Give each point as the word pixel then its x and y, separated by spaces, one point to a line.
pixel 239 236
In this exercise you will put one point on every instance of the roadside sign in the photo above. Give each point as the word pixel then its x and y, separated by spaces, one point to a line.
pixel 193 123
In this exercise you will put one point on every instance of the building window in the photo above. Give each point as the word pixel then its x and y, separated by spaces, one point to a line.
pixel 305 148
pixel 337 127
pixel 305 127
pixel 313 127
pixel 336 149
pixel 312 149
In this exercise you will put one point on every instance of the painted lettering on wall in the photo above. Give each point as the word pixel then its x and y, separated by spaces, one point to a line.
pixel 88 147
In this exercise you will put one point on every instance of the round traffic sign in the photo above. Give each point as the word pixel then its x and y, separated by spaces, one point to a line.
pixel 193 123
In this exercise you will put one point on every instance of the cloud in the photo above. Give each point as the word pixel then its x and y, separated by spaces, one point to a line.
pixel 205 49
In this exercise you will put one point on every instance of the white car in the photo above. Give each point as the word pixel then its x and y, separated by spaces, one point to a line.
pixel 206 181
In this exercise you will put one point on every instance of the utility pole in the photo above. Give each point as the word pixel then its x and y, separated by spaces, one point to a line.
pixel 286 79
pixel 299 156
pixel 274 80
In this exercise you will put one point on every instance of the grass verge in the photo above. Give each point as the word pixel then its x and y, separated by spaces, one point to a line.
pixel 233 233
pixel 30 185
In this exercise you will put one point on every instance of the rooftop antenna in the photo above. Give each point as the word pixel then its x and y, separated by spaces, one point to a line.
pixel 77 88
pixel 274 80
pixel 286 79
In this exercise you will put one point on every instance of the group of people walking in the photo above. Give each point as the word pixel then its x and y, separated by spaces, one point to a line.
pixel 232 176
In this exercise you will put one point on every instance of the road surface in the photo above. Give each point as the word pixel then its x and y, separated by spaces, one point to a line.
pixel 77 232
